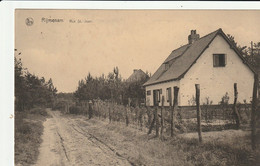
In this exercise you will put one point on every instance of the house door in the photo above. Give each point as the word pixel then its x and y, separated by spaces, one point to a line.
pixel 155 97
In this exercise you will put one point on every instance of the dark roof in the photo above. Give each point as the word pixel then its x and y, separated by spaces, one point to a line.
pixel 181 59
pixel 137 75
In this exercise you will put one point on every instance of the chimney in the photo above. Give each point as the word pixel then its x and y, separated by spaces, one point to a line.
pixel 135 70
pixel 193 36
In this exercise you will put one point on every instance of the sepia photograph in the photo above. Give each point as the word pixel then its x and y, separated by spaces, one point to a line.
pixel 117 87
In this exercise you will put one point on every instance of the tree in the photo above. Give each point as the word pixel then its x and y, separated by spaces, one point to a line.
pixel 109 88
pixel 30 90
pixel 19 84
pixel 251 53
pixel 241 49
pixel 135 90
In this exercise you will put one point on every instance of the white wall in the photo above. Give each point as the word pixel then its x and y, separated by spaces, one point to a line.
pixel 163 86
pixel 216 81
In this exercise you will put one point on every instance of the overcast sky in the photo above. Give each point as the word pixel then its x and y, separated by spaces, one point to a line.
pixel 129 39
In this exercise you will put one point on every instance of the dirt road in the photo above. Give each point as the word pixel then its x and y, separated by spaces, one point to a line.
pixel 65 142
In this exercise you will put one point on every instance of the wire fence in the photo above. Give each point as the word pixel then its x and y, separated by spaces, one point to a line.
pixel 213 117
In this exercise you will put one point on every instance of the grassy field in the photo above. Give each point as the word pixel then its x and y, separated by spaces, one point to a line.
pixel 28 131
pixel 230 147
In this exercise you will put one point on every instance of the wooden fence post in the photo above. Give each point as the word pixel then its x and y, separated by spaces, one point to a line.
pixel 149 114
pixel 152 123
pixel 197 87
pixel 126 116
pixel 109 112
pixel 90 109
pixel 253 114
pixel 66 108
pixel 175 104
pixel 235 112
pixel 162 108
pixel 127 108
pixel 171 110
pixel 156 121
pixel 141 117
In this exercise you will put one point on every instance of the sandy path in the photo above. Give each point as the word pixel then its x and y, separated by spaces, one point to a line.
pixel 67 143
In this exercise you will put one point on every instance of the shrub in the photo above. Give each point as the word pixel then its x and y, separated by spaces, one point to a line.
pixel 60 105
pixel 224 99
pixel 38 110
pixel 77 110
pixel 28 131
pixel 192 101
pixel 23 128
pixel 74 110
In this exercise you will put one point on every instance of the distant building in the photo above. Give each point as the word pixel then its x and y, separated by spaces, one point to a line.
pixel 137 75
pixel 211 61
pixel 136 91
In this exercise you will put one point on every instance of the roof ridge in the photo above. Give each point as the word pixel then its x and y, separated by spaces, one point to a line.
pixel 198 39
pixel 181 47
pixel 211 33
pixel 188 45
pixel 179 55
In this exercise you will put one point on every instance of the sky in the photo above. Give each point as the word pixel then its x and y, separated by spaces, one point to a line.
pixel 96 41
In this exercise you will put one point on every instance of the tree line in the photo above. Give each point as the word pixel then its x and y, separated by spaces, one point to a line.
pixel 111 87
pixel 30 90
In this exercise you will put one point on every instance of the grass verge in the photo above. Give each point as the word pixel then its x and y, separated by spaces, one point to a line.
pixel 28 131
pixel 142 149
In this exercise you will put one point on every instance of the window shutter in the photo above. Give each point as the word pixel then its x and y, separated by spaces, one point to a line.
pixel 158 95
pixel 170 95
pixel 214 60
pixel 217 60
pixel 225 59
pixel 167 94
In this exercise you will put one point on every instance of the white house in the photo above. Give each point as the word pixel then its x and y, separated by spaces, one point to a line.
pixel 211 61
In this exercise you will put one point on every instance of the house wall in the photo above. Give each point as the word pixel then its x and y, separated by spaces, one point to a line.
pixel 163 86
pixel 216 81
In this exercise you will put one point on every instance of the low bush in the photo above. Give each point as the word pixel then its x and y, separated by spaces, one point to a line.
pixel 59 106
pixel 38 110
pixel 76 110
pixel 206 128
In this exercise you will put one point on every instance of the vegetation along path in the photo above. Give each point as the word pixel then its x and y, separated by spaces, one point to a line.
pixel 76 140
pixel 66 143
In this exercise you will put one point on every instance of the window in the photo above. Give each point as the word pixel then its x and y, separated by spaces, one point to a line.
pixel 148 93
pixel 219 60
